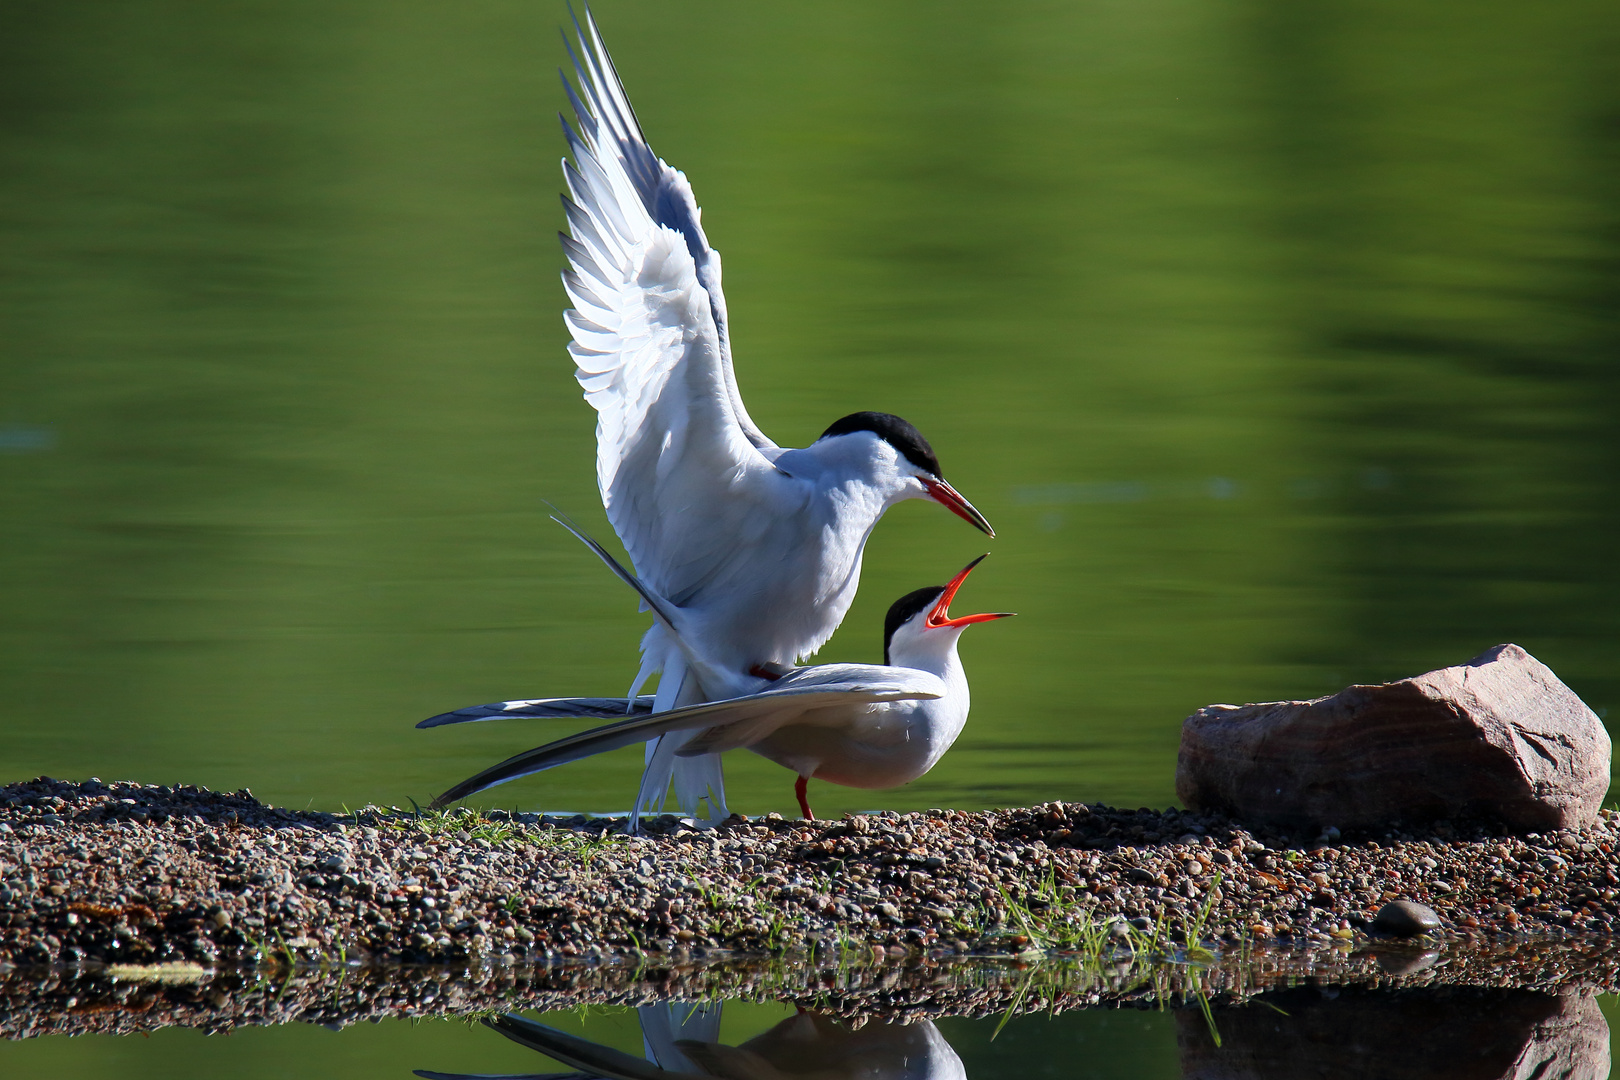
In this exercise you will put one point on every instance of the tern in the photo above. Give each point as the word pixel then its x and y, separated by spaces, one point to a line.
pixel 759 546
pixel 858 725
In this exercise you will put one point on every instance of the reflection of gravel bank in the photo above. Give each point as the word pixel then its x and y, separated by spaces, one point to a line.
pixel 85 1001
pixel 126 874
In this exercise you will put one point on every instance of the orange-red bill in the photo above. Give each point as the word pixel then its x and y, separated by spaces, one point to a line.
pixel 952 500
pixel 940 614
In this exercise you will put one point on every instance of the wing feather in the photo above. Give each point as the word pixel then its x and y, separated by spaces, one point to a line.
pixel 546 709
pixel 675 444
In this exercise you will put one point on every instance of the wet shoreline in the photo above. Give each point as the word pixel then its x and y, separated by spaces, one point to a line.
pixel 125 874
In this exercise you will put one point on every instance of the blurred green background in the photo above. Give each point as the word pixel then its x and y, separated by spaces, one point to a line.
pixel 1280 341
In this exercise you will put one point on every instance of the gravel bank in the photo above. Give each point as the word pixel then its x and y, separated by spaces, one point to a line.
pixel 129 874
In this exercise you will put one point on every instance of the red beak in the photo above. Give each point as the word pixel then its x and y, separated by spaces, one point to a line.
pixel 952 500
pixel 940 614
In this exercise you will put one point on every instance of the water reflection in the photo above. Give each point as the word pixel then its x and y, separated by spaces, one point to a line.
pixel 1272 1015
pixel 1434 1033
pixel 1458 1033
pixel 682 1041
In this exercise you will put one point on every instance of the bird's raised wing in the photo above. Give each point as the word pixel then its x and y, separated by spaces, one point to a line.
pixel 675 446
pixel 822 686
pixel 557 708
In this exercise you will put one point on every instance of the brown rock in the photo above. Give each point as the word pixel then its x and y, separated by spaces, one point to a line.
pixel 1499 735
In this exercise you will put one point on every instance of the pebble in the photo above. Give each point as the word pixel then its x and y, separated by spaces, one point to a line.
pixel 1405 918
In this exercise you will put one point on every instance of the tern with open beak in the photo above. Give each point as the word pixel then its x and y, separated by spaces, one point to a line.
pixel 858 725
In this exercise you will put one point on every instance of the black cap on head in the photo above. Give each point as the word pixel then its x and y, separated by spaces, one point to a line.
pixel 906 440
pixel 903 609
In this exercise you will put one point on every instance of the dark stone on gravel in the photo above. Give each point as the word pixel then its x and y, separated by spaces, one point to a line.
pixel 1403 918
pixel 1499 736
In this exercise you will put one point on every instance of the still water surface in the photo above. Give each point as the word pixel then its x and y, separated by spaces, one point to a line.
pixel 1277 340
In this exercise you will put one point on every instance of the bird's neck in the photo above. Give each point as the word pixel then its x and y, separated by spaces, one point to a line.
pixel 868 483
pixel 935 654
pixel 941 719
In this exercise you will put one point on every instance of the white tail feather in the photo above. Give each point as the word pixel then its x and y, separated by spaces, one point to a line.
pixel 663 650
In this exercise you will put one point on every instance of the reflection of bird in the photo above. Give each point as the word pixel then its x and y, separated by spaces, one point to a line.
pixel 666 1028
pixel 860 725
pixel 758 546
pixel 670 1025
pixel 805 1046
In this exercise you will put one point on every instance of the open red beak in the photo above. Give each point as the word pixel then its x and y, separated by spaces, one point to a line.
pixel 949 497
pixel 940 614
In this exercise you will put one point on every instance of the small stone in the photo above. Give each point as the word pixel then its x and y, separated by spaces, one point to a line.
pixel 1406 918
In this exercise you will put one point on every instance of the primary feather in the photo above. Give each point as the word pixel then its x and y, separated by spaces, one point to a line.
pixel 586 708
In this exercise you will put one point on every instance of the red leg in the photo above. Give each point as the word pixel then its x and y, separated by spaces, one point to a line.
pixel 801 789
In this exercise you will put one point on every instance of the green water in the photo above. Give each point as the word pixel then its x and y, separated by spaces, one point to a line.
pixel 1281 343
